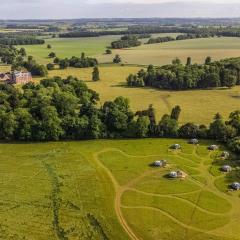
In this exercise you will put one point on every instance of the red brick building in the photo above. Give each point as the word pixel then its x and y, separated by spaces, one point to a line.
pixel 16 77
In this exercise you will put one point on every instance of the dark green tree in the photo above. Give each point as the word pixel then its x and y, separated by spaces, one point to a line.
pixel 95 74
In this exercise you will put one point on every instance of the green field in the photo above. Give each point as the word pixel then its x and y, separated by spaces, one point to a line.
pixel 164 53
pixel 198 106
pixel 69 47
pixel 107 190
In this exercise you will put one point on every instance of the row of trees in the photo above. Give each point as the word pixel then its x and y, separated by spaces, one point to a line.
pixel 160 40
pixel 126 41
pixel 21 41
pixel 225 73
pixel 150 29
pixel 67 109
pixel 179 37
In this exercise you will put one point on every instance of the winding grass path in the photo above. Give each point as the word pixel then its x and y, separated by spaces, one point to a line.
pixel 121 189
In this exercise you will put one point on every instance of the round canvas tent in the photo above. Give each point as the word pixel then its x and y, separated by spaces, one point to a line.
pixel 159 163
pixel 176 146
pixel 194 141
pixel 173 174
pixel 226 168
pixel 235 186
pixel 213 147
pixel 225 155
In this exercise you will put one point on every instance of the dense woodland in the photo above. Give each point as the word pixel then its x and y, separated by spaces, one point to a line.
pixel 178 76
pixel 67 109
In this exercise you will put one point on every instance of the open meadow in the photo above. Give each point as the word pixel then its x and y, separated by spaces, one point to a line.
pixel 157 54
pixel 164 53
pixel 198 106
pixel 68 47
pixel 108 190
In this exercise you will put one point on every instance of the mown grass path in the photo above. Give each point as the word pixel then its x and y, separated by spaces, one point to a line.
pixel 130 186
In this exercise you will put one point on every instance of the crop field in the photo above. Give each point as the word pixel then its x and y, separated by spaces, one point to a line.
pixel 108 190
pixel 164 53
pixel 198 106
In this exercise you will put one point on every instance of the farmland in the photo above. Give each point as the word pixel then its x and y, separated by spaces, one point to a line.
pixel 193 103
pixel 157 54
pixel 164 53
pixel 107 190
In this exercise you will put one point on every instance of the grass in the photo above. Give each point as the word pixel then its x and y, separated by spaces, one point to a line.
pixel 66 190
pixel 164 53
pixel 68 47
pixel 197 105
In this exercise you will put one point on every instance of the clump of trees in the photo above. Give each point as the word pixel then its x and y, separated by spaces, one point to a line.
pixel 178 76
pixel 160 40
pixel 76 62
pixel 117 59
pixel 30 65
pixel 126 41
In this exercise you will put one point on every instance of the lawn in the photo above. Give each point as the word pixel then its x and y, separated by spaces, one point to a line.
pixel 197 105
pixel 106 190
pixel 164 53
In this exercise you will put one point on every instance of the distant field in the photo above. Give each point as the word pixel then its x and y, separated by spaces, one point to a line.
pixel 68 47
pixel 164 53
pixel 106 190
pixel 197 106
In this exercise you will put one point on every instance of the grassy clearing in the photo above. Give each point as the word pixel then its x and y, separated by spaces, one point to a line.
pixel 64 191
pixel 164 53
pixel 197 106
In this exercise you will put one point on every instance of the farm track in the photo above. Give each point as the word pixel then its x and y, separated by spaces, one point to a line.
pixel 120 190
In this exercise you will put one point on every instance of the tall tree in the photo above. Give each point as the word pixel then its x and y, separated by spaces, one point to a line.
pixel 95 74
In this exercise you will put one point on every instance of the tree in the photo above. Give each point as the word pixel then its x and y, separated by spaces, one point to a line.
pixel 117 115
pixel 117 59
pixel 188 130
pixel 234 144
pixel 208 60
pixel 189 61
pixel 49 127
pixel 49 46
pixel 52 55
pixel 95 74
pixel 63 63
pixel 176 61
pixel 167 127
pixel 22 52
pixel 108 51
pixel 50 66
pixel 219 130
pixel 25 123
pixel 56 60
pixel 176 113
pixel 7 125
pixel 82 55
